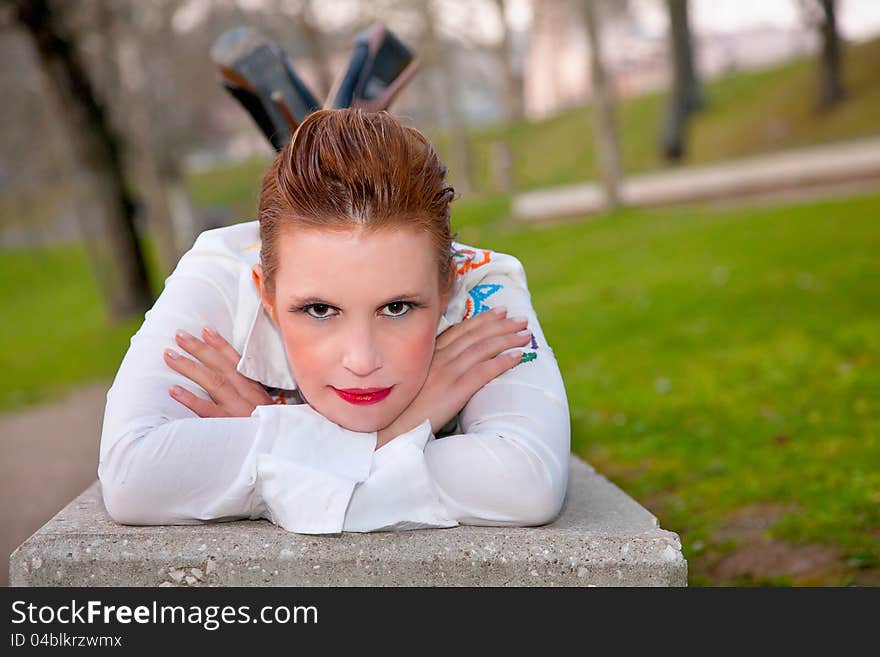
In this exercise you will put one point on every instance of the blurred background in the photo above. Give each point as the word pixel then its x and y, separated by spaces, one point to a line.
pixel 693 187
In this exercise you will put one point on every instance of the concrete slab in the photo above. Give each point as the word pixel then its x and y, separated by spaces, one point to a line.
pixel 601 538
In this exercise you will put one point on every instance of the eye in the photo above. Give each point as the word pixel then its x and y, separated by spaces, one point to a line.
pixel 321 310
pixel 398 308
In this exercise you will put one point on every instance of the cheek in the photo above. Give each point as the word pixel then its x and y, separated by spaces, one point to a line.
pixel 302 356
pixel 418 351
pixel 411 354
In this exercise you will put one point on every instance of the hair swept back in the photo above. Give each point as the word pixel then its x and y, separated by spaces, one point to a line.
pixel 346 168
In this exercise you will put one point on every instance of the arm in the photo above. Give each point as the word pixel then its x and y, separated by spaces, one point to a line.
pixel 509 464
pixel 162 464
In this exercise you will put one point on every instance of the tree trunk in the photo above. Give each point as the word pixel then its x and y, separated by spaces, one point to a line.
pixel 831 89
pixel 604 124
pixel 513 82
pixel 128 291
pixel 447 97
pixel 145 160
pixel 686 93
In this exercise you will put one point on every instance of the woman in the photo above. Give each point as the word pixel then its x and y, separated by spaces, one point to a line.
pixel 348 298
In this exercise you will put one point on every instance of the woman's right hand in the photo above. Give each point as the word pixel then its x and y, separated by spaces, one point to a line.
pixel 465 359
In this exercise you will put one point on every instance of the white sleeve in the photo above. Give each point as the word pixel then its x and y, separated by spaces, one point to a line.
pixel 509 464
pixel 162 464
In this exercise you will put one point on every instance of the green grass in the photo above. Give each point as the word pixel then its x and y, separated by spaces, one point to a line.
pixel 716 359
pixel 54 334
pixel 57 333
pixel 713 359
pixel 236 187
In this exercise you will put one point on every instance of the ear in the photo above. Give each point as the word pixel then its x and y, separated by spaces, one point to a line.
pixel 265 298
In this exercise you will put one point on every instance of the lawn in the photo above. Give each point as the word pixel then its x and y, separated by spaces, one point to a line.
pixel 722 368
pixel 721 365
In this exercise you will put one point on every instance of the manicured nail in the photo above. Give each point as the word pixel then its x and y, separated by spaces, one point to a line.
pixel 519 318
pixel 499 310
pixel 523 333
pixel 515 355
pixel 172 354
pixel 209 333
pixel 176 391
pixel 183 335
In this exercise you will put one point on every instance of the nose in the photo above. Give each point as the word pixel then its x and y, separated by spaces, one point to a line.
pixel 361 353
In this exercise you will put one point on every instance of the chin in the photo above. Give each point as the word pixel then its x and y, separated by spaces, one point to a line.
pixel 366 423
pixel 361 426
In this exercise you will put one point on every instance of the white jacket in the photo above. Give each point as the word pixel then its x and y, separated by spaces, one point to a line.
pixel 506 462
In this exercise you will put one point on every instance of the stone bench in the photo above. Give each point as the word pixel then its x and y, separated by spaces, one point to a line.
pixel 602 537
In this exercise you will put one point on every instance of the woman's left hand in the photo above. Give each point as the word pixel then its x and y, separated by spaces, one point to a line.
pixel 232 393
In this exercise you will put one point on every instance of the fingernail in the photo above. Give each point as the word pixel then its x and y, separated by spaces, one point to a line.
pixel 524 333
pixel 172 354
pixel 499 310
pixel 209 333
pixel 183 335
pixel 175 391
pixel 519 318
pixel 515 355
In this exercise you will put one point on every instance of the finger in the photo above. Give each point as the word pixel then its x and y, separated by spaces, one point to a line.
pixel 484 350
pixel 469 325
pixel 206 354
pixel 218 355
pixel 256 394
pixel 225 400
pixel 214 383
pixel 226 350
pixel 482 334
pixel 251 391
pixel 199 406
pixel 476 377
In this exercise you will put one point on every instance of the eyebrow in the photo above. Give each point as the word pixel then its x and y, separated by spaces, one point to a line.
pixel 312 299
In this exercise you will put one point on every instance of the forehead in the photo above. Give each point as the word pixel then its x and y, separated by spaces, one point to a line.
pixel 355 265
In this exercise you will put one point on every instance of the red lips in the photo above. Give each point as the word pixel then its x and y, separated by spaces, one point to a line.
pixel 363 395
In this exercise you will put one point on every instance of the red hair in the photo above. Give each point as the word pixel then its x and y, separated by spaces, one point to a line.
pixel 346 168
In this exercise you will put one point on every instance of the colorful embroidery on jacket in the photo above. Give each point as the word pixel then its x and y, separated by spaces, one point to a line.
pixel 467 260
pixel 476 296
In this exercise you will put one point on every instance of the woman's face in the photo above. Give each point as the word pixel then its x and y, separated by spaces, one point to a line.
pixel 357 312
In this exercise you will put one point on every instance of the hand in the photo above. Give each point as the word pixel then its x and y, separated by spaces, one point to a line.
pixel 232 393
pixel 465 359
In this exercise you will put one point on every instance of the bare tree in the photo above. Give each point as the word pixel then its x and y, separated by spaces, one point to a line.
pixel 604 123
pixel 831 89
pixel 686 93
pixel 513 82
pixel 821 15
pixel 446 95
pixel 125 50
pixel 121 261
